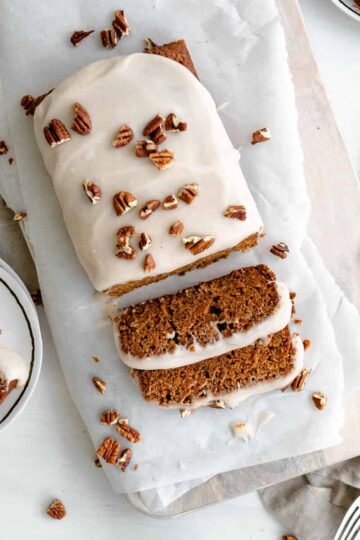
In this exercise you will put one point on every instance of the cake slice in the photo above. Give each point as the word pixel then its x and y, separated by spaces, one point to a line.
pixel 223 339
pixel 13 371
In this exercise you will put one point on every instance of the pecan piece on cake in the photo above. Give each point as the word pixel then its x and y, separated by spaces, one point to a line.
pixel 19 216
pixel 174 124
pixel 170 202
pixel 3 148
pixel 109 450
pixel 123 248
pixel 299 382
pixel 123 202
pixel 198 244
pixel 56 510
pixel 319 400
pixel 56 133
pixel 124 459
pixel 123 137
pixel 99 384
pixel 128 432
pixel 188 193
pixel 261 135
pixel 82 122
pixel 149 263
pixel 120 24
pixel 155 129
pixel 79 35
pixel 109 38
pixel 93 191
pixel 110 417
pixel 144 241
pixel 176 228
pixel 163 159
pixel 236 212
pixel 149 208
pixel 144 148
pixel 280 250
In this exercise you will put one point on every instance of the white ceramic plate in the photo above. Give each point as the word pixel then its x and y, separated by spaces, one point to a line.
pixel 21 331
pixel 348 7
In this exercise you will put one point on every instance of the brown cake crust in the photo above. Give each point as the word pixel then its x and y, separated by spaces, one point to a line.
pixel 5 392
pixel 199 314
pixel 175 50
pixel 220 375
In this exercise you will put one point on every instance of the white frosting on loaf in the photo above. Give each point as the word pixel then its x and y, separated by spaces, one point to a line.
pixel 12 366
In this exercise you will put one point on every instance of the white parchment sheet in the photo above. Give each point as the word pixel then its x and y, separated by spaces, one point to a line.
pixel 239 51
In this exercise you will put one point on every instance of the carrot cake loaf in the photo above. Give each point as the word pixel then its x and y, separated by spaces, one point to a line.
pixel 223 339
pixel 13 371
pixel 148 180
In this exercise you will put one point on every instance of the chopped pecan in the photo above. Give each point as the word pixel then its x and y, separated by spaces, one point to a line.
pixel 3 148
pixel 176 228
pixel 297 321
pixel 288 537
pixel 109 38
pixel 157 122
pixel 97 463
pixel 149 208
pixel 149 263
pixel 197 244
pixel 124 459
pixel 320 400
pixel 109 450
pixel 123 248
pixel 125 252
pixel 299 382
pixel 144 241
pixel 130 433
pixel 36 297
pixel 11 160
pixel 120 24
pixel 280 250
pixel 261 135
pixel 158 135
pixel 144 148
pixel 79 35
pixel 170 202
pixel 93 191
pixel 123 137
pixel 96 359
pixel 188 193
pixel 174 124
pixel 292 298
pixel 186 412
pixel 19 216
pixel 236 212
pixel 163 159
pixel 29 103
pixel 217 404
pixel 110 417
pixel 56 510
pixel 99 384
pixel 123 202
pixel 56 133
pixel 306 344
pixel 82 122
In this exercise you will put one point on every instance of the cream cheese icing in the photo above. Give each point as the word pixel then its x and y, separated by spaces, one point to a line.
pixel 181 356
pixel 131 90
pixel 12 366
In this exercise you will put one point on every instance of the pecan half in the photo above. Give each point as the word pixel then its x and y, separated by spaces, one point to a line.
pixel 149 208
pixel 110 417
pixel 236 212
pixel 3 148
pixel 109 450
pixel 299 382
pixel 174 124
pixel 157 122
pixel 120 24
pixel 124 459
pixel 176 228
pixel 145 148
pixel 130 433
pixel 99 384
pixel 29 103
pixel 79 35
pixel 144 241
pixel 170 202
pixel 56 133
pixel 197 244
pixel 261 135
pixel 280 250
pixel 93 191
pixel 149 263
pixel 163 159
pixel 123 202
pixel 306 344
pixel 82 122
pixel 188 193
pixel 320 400
pixel 56 510
pixel 109 38
pixel 123 137
pixel 19 216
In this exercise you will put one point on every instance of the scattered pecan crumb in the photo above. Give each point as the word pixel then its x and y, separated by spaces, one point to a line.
pixel 123 202
pixel 97 463
pixel 3 148
pixel 96 359
pixel 299 382
pixel 236 212
pixel 185 412
pixel 280 250
pixel 174 124
pixel 144 241
pixel 109 38
pixel 188 193
pixel 82 122
pixel 149 208
pixel 170 202
pixel 99 384
pixel 120 24
pixel 197 244
pixel 149 263
pixel 124 459
pixel 56 510
pixel 298 321
pixel 320 400
pixel 261 135
pixel 217 404
pixel 56 133
pixel 145 148
pixel 149 44
pixel 176 228
pixel 123 137
pixel 306 344
pixel 30 103
pixel 128 432
pixel 110 417
pixel 11 160
pixel 109 450
pixel 19 216
pixel 93 191
pixel 78 36
pixel 163 159
pixel 36 297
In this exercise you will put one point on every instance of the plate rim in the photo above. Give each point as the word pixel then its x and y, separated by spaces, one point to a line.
pixel 347 9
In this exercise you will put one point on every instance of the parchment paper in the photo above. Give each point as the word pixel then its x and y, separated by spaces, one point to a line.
pixel 239 50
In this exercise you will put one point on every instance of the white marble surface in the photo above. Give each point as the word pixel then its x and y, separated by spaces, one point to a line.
pixel 47 453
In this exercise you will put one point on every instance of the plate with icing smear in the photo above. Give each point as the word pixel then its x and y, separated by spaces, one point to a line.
pixel 20 346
